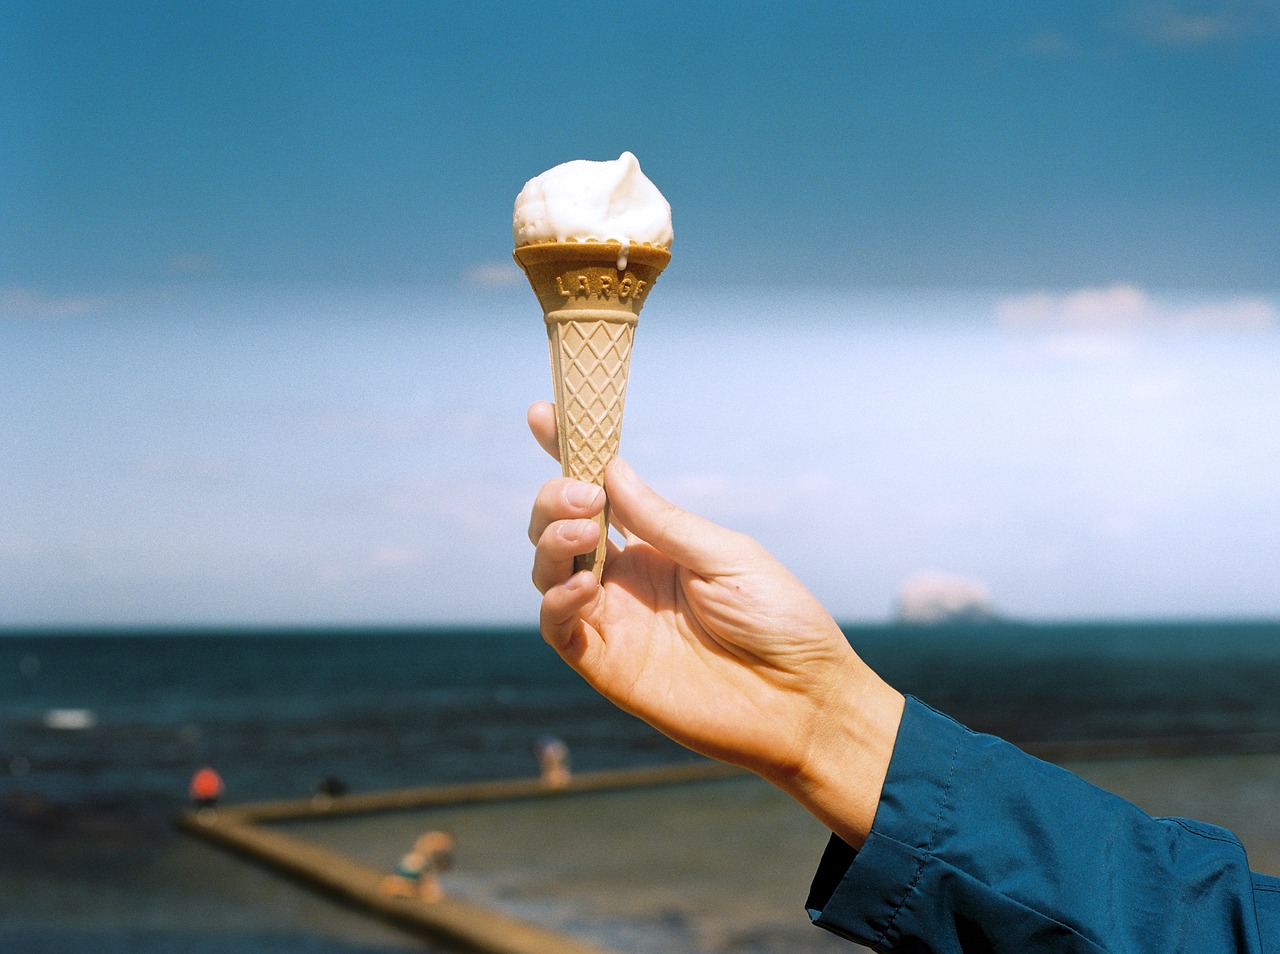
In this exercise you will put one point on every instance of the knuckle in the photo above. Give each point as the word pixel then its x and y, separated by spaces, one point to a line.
pixel 745 545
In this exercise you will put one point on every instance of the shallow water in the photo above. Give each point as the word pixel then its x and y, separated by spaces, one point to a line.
pixel 88 862
pixel 725 866
pixel 707 867
pixel 87 890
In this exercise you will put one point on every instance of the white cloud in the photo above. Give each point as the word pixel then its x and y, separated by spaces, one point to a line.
pixel 20 303
pixel 1165 24
pixel 1245 314
pixel 1125 306
pixel 1115 305
pixel 493 275
pixel 1171 25
pixel 1192 29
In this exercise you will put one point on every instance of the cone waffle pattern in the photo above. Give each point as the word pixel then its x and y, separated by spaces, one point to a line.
pixel 592 359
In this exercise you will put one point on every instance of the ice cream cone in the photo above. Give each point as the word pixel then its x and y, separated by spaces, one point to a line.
pixel 591 295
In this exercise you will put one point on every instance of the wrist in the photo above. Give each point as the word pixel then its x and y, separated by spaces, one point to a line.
pixel 843 773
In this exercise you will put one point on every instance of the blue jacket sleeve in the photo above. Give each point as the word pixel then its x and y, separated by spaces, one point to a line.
pixel 978 847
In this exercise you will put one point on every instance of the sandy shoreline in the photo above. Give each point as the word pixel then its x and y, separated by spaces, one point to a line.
pixel 724 866
pixel 709 868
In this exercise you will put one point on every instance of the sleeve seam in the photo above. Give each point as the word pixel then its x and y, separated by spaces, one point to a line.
pixel 927 854
pixel 1200 832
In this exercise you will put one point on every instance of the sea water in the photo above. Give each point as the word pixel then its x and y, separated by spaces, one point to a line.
pixel 124 718
pixel 100 733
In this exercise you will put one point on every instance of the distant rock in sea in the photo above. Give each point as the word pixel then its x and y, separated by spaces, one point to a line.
pixel 932 597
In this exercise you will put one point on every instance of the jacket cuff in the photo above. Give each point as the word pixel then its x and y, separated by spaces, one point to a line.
pixel 859 895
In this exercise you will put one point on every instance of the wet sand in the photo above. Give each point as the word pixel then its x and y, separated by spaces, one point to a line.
pixel 705 868
pixel 725 866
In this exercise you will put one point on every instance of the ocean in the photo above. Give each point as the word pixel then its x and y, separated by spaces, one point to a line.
pixel 101 731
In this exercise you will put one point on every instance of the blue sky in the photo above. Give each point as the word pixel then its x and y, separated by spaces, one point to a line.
pixel 993 293
pixel 957 144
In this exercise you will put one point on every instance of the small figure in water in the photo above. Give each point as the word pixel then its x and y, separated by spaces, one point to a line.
pixel 553 761
pixel 206 788
pixel 327 789
pixel 417 875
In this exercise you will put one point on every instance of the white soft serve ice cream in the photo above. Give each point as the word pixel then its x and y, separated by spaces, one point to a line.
pixel 585 201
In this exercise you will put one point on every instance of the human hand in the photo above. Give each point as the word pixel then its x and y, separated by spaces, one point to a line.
pixel 700 632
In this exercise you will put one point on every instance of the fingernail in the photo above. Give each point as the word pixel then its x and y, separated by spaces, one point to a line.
pixel 622 470
pixel 578 580
pixel 571 532
pixel 582 495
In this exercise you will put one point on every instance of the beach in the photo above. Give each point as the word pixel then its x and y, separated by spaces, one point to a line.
pixel 706 867
pixel 89 860
pixel 724 866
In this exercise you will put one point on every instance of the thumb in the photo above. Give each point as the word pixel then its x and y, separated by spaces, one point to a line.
pixel 694 542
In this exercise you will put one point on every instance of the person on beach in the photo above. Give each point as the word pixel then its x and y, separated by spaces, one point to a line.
pixel 943 840
pixel 418 873
pixel 327 789
pixel 206 788
pixel 553 761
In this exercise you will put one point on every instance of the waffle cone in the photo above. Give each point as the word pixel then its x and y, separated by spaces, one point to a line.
pixel 591 295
